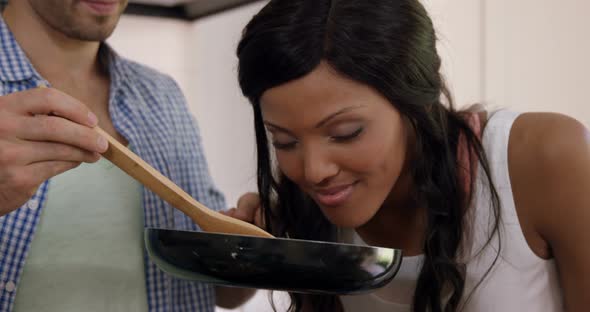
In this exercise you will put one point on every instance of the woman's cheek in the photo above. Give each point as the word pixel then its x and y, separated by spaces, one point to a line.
pixel 288 164
pixel 365 155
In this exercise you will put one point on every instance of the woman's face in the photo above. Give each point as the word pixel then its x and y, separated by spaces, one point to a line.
pixel 340 141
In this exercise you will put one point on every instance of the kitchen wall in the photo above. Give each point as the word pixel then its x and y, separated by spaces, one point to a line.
pixel 536 55
pixel 524 55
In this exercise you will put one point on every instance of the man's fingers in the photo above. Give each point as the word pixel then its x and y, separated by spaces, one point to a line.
pixel 34 152
pixel 48 169
pixel 60 130
pixel 22 153
pixel 45 114
pixel 48 101
pixel 27 178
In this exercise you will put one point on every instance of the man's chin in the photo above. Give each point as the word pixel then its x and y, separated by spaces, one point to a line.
pixel 99 33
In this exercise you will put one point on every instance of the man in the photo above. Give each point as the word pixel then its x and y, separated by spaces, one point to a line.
pixel 71 234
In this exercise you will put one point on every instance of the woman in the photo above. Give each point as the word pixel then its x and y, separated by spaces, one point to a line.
pixel 489 208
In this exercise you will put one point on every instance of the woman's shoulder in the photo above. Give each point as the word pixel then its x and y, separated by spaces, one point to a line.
pixel 547 145
pixel 549 168
pixel 547 133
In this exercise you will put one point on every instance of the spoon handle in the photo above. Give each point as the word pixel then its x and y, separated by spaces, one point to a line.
pixel 207 219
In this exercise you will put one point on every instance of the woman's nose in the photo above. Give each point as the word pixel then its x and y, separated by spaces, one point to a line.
pixel 318 166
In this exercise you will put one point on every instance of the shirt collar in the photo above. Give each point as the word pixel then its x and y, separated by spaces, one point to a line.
pixel 14 64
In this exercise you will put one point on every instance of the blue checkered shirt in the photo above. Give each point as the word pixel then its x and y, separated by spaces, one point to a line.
pixel 149 110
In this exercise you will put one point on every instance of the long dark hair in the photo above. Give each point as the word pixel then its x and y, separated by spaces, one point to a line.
pixel 390 46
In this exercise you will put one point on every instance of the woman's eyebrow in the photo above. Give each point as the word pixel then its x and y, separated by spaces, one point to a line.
pixel 331 116
pixel 319 124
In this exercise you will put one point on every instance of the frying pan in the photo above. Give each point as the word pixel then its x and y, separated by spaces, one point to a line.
pixel 272 263
pixel 238 254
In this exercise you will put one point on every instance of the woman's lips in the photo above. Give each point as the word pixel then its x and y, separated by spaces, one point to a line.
pixel 334 196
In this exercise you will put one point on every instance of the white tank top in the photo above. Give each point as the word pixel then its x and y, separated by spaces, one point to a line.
pixel 519 281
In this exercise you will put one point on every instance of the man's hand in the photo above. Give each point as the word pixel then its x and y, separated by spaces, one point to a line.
pixel 43 132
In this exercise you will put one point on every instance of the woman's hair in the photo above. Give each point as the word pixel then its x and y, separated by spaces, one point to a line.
pixel 389 45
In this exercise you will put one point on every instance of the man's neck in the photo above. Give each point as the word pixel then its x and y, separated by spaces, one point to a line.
pixel 61 60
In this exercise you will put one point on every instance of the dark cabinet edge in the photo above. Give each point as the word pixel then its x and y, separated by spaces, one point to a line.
pixel 188 12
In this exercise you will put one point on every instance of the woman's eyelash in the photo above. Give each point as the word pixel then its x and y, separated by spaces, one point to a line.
pixel 340 138
pixel 343 138
pixel 283 146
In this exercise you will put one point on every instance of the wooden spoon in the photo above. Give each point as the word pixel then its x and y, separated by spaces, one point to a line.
pixel 209 220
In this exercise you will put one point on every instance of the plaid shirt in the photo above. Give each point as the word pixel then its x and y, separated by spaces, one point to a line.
pixel 149 110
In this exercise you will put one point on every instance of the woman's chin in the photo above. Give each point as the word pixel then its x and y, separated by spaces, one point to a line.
pixel 342 220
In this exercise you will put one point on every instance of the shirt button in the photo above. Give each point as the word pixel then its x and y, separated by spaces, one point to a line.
pixel 10 286
pixel 33 204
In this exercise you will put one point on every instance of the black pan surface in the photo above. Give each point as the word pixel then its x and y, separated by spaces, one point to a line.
pixel 272 263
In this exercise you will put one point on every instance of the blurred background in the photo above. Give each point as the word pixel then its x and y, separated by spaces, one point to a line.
pixel 526 55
